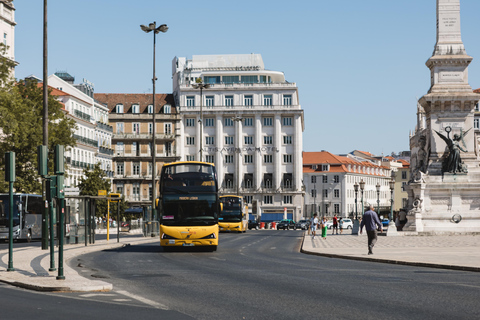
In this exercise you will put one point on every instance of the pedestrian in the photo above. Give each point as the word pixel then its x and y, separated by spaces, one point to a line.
pixel 340 224
pixel 335 224
pixel 370 221
pixel 313 225
pixel 324 228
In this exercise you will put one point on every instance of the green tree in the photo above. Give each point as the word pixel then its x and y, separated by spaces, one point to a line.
pixel 93 181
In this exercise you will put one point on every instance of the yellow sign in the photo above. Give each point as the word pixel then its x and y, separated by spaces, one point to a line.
pixel 102 192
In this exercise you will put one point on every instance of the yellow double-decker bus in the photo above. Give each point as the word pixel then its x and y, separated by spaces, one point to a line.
pixel 233 216
pixel 188 205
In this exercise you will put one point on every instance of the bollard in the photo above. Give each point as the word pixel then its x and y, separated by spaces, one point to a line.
pixel 262 225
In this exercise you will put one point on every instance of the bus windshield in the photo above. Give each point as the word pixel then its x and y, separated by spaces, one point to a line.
pixel 189 178
pixel 5 212
pixel 185 210
pixel 232 209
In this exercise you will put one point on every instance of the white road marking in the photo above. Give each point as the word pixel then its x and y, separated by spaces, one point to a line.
pixel 144 300
pixel 89 295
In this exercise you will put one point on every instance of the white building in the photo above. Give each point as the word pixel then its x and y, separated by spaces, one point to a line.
pixel 329 183
pixel 93 133
pixel 7 28
pixel 253 126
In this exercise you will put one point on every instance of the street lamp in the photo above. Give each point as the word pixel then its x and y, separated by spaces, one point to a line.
pixel 392 186
pixel 238 136
pixel 378 197
pixel 362 187
pixel 162 28
pixel 315 195
pixel 323 195
pixel 201 86
pixel 355 187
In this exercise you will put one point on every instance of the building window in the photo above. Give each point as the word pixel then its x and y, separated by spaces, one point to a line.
pixel 228 122
pixel 135 108
pixel 267 100
pixel 136 128
pixel 249 79
pixel 120 188
pixel 287 158
pixel 268 121
pixel 287 121
pixel 287 99
pixel 209 101
pixel 209 122
pixel 136 191
pixel 190 101
pixel 325 167
pixel 229 101
pixel 228 181
pixel 287 200
pixel 150 108
pixel 168 128
pixel 287 180
pixel 267 140
pixel 248 180
pixel 209 140
pixel 287 139
pixel 229 140
pixel 404 174
pixel 190 141
pixel 211 79
pixel 119 108
pixel 403 186
pixel 190 122
pixel 120 168
pixel 248 122
pixel 476 123
pixel 150 128
pixel 167 109
pixel 267 199
pixel 136 168
pixel 313 192
pixel 336 208
pixel 190 158
pixel 267 158
pixel 230 79
pixel 336 179
pixel 210 158
pixel 120 128
pixel 5 37
pixel 168 149
pixel 248 158
pixel 248 100
pixel 248 199
pixel 229 158
pixel 313 179
pixel 336 193
pixel 248 140
pixel 325 193
pixel 325 179
pixel 135 149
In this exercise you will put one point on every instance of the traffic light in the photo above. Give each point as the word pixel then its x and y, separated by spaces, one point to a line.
pixel 59 166
pixel 42 159
pixel 10 166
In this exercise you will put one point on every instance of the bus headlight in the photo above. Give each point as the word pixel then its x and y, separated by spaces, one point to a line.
pixel 166 236
pixel 210 236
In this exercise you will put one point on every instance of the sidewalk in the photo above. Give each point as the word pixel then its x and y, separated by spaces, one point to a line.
pixel 31 266
pixel 457 252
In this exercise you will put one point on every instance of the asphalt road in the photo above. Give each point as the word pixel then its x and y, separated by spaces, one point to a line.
pixel 257 275
pixel 262 275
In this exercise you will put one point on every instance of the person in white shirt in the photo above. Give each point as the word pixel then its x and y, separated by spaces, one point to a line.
pixel 313 225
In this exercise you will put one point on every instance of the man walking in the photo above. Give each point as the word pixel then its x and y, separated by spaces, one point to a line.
pixel 370 221
pixel 313 225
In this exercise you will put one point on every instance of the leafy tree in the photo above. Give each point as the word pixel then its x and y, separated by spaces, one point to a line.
pixel 21 120
pixel 94 181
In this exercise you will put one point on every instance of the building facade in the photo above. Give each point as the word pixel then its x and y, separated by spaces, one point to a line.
pixel 93 134
pixel 252 129
pixel 7 29
pixel 131 116
pixel 329 184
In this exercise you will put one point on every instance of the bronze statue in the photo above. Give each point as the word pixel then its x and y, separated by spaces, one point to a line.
pixel 453 162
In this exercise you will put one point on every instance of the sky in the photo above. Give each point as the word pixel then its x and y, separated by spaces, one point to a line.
pixel 359 65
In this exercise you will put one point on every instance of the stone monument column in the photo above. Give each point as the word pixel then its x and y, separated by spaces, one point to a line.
pixel 444 165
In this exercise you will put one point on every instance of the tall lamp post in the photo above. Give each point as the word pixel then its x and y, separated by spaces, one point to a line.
pixel 392 229
pixel 362 187
pixel 162 28
pixel 378 197
pixel 315 195
pixel 201 86
pixel 323 194
pixel 356 223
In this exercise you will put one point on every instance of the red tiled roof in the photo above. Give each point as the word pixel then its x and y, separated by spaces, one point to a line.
pixel 129 99
pixel 477 90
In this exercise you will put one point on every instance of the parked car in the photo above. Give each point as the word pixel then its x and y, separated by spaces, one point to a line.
pixel 253 224
pixel 303 224
pixel 347 223
pixel 286 224
pixel 329 224
pixel 385 222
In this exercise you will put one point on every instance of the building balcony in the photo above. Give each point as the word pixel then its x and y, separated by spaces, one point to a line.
pixel 82 115
pixel 86 141
pixel 104 126
pixel 244 86
pixel 143 136
pixel 105 150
